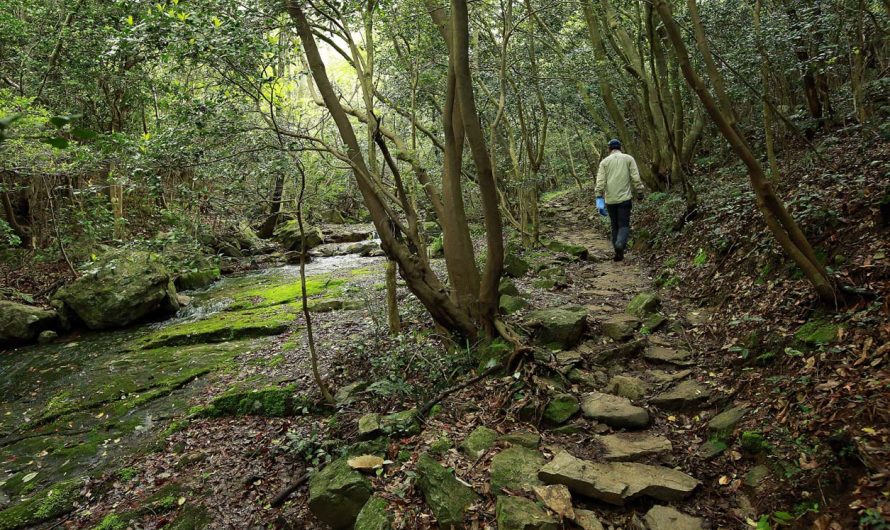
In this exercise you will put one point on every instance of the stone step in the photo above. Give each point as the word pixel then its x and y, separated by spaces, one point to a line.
pixel 686 395
pixel 667 518
pixel 624 447
pixel 614 411
pixel 663 354
pixel 617 482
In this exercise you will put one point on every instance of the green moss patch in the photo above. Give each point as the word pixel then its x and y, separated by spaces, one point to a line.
pixel 277 290
pixel 268 401
pixel 50 503
pixel 226 326
pixel 817 332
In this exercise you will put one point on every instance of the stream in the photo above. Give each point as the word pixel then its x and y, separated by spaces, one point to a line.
pixel 73 407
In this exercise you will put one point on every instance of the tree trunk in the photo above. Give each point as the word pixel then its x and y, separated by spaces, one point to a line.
pixel 779 221
pixel 419 278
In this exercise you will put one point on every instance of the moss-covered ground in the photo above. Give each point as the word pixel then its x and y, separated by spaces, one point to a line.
pixel 67 410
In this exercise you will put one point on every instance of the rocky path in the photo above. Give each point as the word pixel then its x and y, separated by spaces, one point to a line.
pixel 651 386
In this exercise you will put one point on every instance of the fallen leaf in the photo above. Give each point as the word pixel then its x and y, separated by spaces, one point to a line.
pixel 365 462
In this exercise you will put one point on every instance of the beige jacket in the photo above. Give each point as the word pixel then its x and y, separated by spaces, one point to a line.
pixel 616 174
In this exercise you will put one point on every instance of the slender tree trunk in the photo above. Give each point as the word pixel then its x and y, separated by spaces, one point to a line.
pixel 779 221
pixel 310 336
pixel 767 109
pixel 494 262
pixel 419 278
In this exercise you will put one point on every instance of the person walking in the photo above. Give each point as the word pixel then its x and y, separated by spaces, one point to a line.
pixel 616 180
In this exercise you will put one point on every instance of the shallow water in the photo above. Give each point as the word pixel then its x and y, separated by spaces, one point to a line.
pixel 71 407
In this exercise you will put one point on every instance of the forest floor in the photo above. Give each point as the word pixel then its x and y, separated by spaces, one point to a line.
pixel 809 448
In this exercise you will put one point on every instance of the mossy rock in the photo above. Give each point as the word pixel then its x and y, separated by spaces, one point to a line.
pixel 288 235
pixel 447 498
pixel 527 439
pixel 507 286
pixel 47 505
pixel 119 289
pixel 519 513
pixel 632 388
pixel 560 327
pixel 515 468
pixel 20 322
pixel 374 516
pixel 369 425
pixel 560 408
pixel 817 332
pixel 337 494
pixel 403 423
pixel 727 420
pixel 510 304
pixel 197 279
pixel 515 266
pixel 441 445
pixel 270 401
pixel 478 441
pixel 576 251
pixel 644 304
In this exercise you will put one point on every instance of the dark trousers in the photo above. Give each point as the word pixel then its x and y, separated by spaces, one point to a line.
pixel 619 217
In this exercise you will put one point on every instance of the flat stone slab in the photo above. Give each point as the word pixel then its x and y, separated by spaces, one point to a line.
pixel 662 354
pixel 727 419
pixel 662 377
pixel 625 447
pixel 685 395
pixel 667 518
pixel 620 327
pixel 617 482
pixel 630 387
pixel 614 411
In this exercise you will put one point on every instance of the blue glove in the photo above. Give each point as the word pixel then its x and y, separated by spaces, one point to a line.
pixel 601 206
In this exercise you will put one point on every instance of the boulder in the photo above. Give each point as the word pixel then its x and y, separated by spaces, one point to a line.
pixel 348 233
pixel 667 518
pixel 617 482
pixel 817 332
pixel 620 327
pixel 515 266
pixel 369 425
pixel 478 441
pixel 248 241
pixel 632 388
pixel 624 447
pixel 515 468
pixel 614 411
pixel 686 395
pixel 561 326
pixel 644 304
pixel 21 323
pixel 507 286
pixel 726 420
pixel 197 279
pixel 447 498
pixel 662 354
pixel 373 516
pixel 288 235
pixel 402 423
pixel 519 513
pixel 560 408
pixel 120 289
pixel 510 304
pixel 337 494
